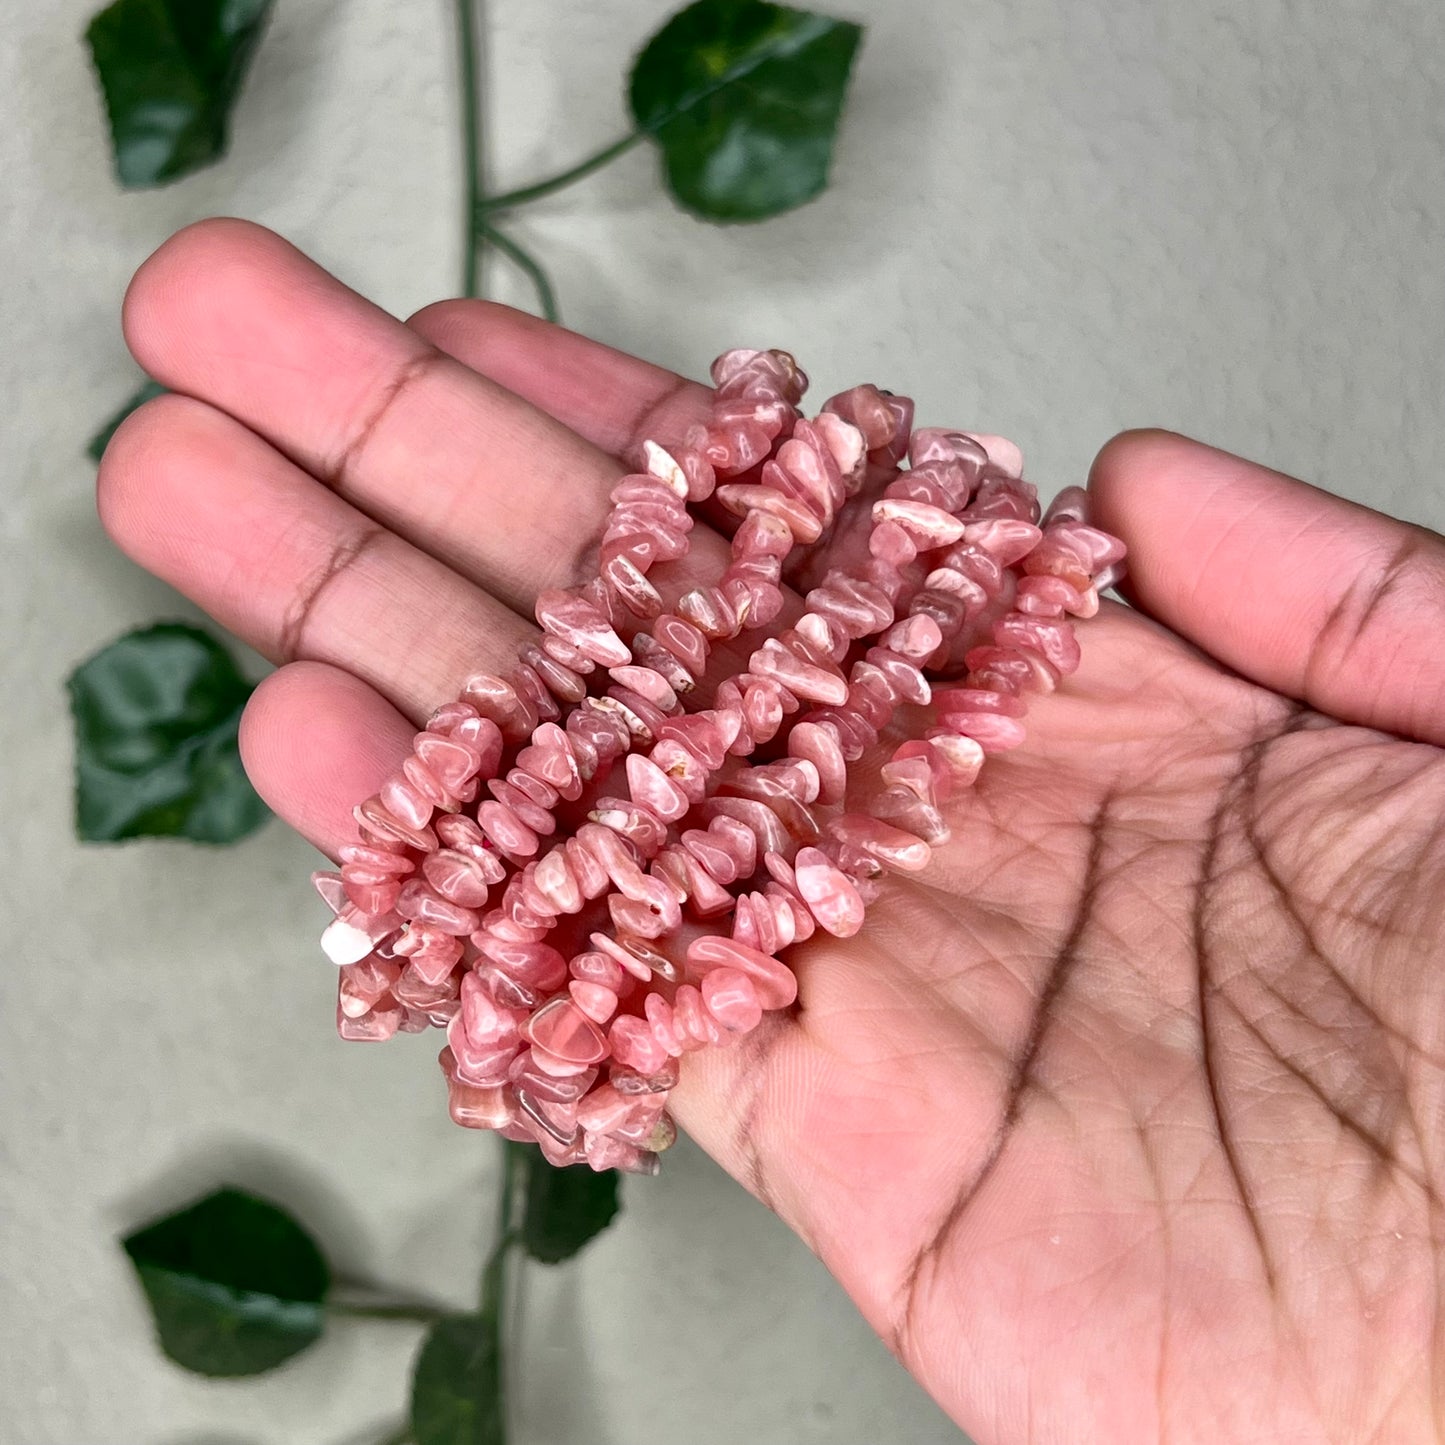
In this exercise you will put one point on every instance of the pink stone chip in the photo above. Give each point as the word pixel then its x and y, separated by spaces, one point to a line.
pixel 773 980
pixel 732 999
pixel 604 1109
pixel 579 623
pixel 815 681
pixel 634 1045
pixel 478 1107
pixel 456 877
pixel 452 762
pixel 963 756
pixel 993 732
pixel 557 884
pixel 1002 453
pixel 563 1030
pixel 927 525
pixel 654 790
pixel 819 745
pixel 596 1001
pixel 891 846
pixel 487 1024
pixel 829 893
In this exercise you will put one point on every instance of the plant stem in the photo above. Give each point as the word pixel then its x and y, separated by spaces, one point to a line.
pixel 467 55
pixel 494 1281
pixel 526 262
pixel 491 205
pixel 387 1310
pixel 494 1274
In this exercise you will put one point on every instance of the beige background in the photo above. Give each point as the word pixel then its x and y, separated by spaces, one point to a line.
pixel 1051 218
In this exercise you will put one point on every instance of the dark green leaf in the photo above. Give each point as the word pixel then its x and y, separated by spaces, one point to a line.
pixel 101 439
pixel 156 715
pixel 456 1384
pixel 171 71
pixel 235 1284
pixel 565 1207
pixel 744 99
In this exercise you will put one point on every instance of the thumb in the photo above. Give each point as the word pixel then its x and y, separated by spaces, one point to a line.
pixel 1304 592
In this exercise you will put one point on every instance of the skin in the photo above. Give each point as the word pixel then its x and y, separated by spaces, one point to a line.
pixel 1123 1120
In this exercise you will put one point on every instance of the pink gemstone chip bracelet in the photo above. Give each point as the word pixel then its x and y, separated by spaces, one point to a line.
pixel 582 873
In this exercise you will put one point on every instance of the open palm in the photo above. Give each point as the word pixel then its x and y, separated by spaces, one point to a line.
pixel 1123 1121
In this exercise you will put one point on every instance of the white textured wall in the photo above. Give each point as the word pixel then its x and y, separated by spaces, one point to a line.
pixel 1052 218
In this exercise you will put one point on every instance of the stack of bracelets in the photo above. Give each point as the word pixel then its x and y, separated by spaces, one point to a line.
pixel 571 975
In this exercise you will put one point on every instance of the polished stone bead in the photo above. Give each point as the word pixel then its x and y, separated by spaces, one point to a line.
pixel 562 1029
pixel 655 790
pixel 421 904
pixel 496 699
pixel 361 985
pixel 456 877
pixel 521 806
pixel 596 1001
pixel 636 956
pixel 818 744
pixel 506 831
pixel 927 526
pixel 829 893
pixel 892 847
pixel 774 981
pixel 579 623
pixel 732 999
pixel 633 1044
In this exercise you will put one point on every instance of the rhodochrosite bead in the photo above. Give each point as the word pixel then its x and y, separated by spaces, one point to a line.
pixel 583 870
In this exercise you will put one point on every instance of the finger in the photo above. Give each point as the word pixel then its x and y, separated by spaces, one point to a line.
pixel 205 504
pixel 1311 595
pixel 614 400
pixel 459 466
pixel 314 740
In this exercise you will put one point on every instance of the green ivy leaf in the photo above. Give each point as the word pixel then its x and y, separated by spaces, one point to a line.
pixel 156 717
pixel 236 1285
pixel 565 1207
pixel 98 443
pixel 456 1384
pixel 171 71
pixel 744 99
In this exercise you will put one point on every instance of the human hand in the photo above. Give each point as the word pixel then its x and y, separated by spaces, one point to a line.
pixel 1122 1121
